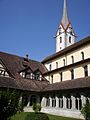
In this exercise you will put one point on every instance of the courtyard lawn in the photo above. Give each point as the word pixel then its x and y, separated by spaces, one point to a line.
pixel 33 116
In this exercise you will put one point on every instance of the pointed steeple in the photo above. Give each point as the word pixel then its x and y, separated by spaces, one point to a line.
pixel 65 35
pixel 65 20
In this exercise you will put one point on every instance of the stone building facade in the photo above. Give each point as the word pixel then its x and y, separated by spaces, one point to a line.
pixel 60 83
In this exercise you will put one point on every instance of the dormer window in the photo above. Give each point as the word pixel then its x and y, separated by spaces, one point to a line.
pixel 29 74
pixel 38 74
pixel 22 74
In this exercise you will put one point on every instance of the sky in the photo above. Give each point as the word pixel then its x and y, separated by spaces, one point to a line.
pixel 29 26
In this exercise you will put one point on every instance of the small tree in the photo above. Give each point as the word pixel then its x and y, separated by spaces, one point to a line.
pixel 86 111
pixel 36 107
pixel 9 101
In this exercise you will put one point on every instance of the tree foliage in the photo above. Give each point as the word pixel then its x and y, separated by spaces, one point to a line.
pixel 86 111
pixel 36 107
pixel 9 103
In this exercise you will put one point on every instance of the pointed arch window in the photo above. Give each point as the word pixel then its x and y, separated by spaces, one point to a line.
pixel 69 39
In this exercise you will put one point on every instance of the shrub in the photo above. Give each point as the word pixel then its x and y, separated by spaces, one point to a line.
pixel 36 107
pixel 86 111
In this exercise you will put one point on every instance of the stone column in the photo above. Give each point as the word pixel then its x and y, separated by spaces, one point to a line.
pixel 57 102
pixel 64 102
pixel 83 99
pixel 69 103
pixel 50 101
pixel 29 97
pixel 73 102
pixel 43 102
pixel 78 103
pixel 20 100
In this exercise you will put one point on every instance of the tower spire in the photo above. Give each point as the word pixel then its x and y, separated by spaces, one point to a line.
pixel 65 20
pixel 65 35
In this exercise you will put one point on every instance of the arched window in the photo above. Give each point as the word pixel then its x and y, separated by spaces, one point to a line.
pixel 72 74
pixel 86 70
pixel 47 102
pixel 82 53
pixel 60 102
pixel 53 102
pixel 61 77
pixel 69 39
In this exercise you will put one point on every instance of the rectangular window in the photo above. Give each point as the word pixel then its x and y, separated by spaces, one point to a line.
pixel 56 65
pixel 72 74
pixel 50 67
pixel 61 77
pixel 64 62
pixel 51 79
pixel 86 70
pixel 82 53
pixel 72 59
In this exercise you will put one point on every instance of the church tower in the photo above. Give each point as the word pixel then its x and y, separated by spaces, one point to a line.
pixel 65 35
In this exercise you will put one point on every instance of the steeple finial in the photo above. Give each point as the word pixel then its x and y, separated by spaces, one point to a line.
pixel 65 20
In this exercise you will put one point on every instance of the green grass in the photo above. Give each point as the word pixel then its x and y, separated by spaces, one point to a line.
pixel 33 116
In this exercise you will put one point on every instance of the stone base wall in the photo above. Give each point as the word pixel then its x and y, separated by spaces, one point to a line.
pixel 63 112
pixel 58 112
pixel 28 109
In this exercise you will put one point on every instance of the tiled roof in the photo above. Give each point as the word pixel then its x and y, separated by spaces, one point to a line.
pixel 15 64
pixel 43 86
pixel 22 84
pixel 69 84
pixel 68 49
